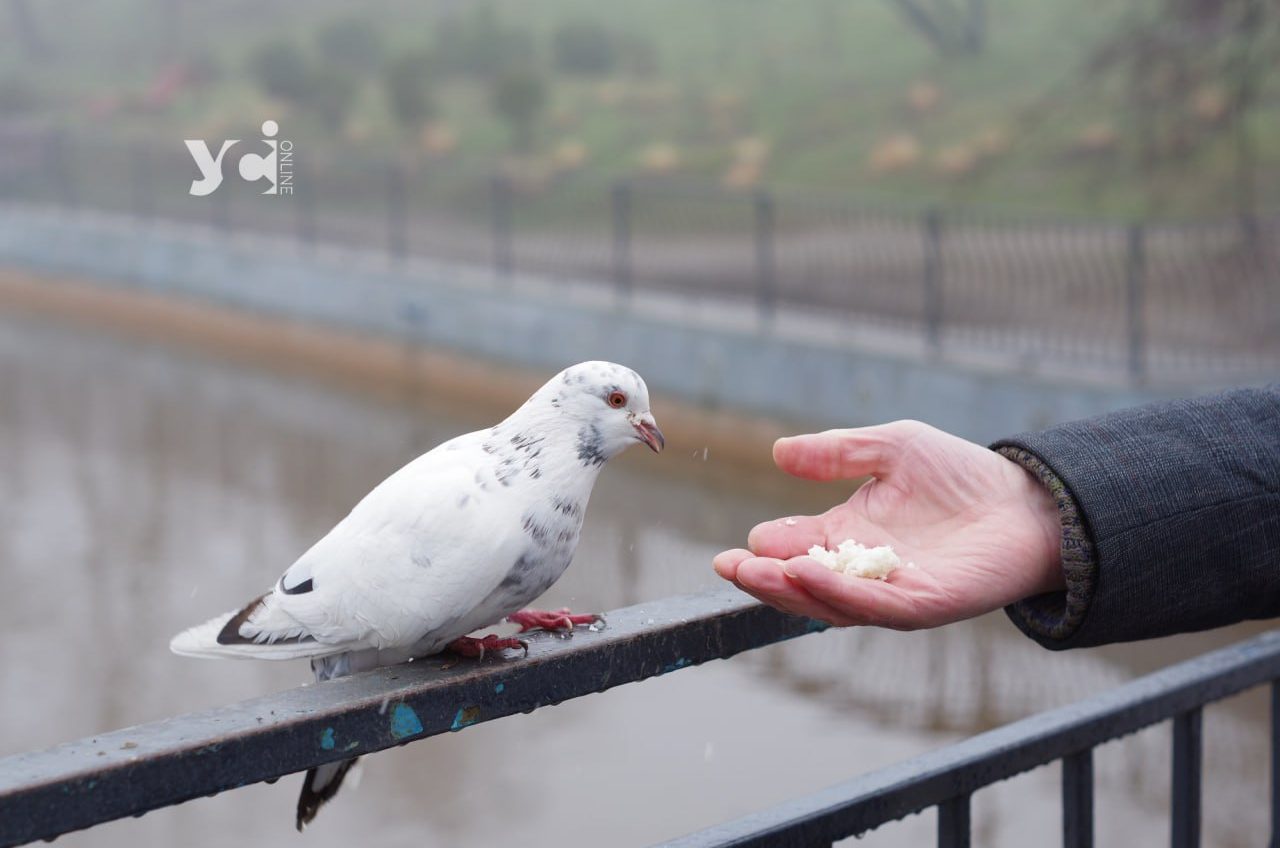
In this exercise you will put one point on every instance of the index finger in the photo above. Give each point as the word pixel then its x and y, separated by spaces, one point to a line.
pixel 784 538
pixel 845 454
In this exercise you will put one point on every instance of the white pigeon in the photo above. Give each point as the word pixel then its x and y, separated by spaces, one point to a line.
pixel 460 538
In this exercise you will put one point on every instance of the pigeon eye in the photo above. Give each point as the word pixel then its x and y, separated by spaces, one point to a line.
pixel 617 400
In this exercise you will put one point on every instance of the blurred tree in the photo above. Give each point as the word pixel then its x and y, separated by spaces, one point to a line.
pixel 951 26
pixel 331 94
pixel 1192 71
pixel 636 54
pixel 351 43
pixel 406 81
pixel 172 16
pixel 17 95
pixel 479 45
pixel 34 44
pixel 584 48
pixel 518 96
pixel 282 71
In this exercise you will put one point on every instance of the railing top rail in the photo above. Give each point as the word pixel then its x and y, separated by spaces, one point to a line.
pixel 868 801
pixel 130 771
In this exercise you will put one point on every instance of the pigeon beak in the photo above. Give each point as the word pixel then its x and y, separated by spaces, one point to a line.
pixel 649 433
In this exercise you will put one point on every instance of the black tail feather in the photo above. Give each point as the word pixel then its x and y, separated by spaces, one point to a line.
pixel 312 798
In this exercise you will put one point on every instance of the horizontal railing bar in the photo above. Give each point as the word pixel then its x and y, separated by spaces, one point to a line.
pixel 127 772
pixel 866 802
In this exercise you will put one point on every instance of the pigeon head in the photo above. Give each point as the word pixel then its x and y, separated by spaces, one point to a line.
pixel 609 404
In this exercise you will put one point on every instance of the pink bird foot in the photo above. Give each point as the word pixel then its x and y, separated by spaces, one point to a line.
pixel 469 646
pixel 560 620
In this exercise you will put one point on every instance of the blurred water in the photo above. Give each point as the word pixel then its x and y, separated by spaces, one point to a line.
pixel 146 490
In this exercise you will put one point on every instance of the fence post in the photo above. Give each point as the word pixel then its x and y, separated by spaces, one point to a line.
pixel 58 164
pixel 1184 795
pixel 220 207
pixel 932 236
pixel 766 269
pixel 1135 300
pixel 142 197
pixel 954 829
pixel 1077 799
pixel 622 237
pixel 1275 764
pixel 500 211
pixel 397 212
pixel 304 197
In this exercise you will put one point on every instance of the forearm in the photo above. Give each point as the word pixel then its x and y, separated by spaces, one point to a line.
pixel 1171 519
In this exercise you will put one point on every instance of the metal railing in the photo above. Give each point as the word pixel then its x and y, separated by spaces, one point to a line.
pixel 131 771
pixel 1139 299
pixel 948 777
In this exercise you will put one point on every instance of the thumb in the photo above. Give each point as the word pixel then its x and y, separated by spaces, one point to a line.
pixel 845 454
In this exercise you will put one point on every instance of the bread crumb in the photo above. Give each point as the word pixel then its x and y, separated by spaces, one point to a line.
pixel 790 522
pixel 858 561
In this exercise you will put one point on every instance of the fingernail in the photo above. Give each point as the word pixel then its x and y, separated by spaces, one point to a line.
pixel 786 569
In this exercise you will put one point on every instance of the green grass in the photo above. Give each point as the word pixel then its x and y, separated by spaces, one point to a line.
pixel 824 82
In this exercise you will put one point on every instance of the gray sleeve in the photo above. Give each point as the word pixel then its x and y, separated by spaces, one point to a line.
pixel 1177 514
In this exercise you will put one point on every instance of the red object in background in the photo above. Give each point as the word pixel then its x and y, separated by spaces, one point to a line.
pixel 166 87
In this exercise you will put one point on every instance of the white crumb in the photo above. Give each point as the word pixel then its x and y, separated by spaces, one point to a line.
pixel 858 561
pixel 790 522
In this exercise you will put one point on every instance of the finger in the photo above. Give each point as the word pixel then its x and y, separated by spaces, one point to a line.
pixel 763 577
pixel 872 601
pixel 845 454
pixel 726 562
pixel 786 537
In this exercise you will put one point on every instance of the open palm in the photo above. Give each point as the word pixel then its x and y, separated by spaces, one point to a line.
pixel 977 531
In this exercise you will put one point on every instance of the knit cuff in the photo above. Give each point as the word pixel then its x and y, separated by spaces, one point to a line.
pixel 1055 616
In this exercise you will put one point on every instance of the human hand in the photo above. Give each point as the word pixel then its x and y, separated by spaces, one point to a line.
pixel 979 529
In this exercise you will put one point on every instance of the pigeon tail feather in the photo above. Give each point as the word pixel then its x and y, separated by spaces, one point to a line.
pixel 219 637
pixel 321 784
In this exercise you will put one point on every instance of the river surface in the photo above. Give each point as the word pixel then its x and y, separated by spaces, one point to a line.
pixel 147 489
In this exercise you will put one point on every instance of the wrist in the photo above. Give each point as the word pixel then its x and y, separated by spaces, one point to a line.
pixel 1053 617
pixel 1045 517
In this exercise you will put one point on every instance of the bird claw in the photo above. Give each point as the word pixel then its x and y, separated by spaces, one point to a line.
pixel 469 646
pixel 559 621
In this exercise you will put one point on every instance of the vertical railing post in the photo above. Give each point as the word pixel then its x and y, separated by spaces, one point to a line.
pixel 397 212
pixel 1185 797
pixel 766 268
pixel 500 212
pixel 1135 300
pixel 220 207
pixel 621 216
pixel 953 822
pixel 59 168
pixel 304 196
pixel 141 182
pixel 1077 800
pixel 931 234
pixel 1275 764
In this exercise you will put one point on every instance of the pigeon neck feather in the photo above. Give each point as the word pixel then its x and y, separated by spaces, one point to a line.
pixel 545 445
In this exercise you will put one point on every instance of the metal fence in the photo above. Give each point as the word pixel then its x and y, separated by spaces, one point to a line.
pixel 131 771
pixel 1140 300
